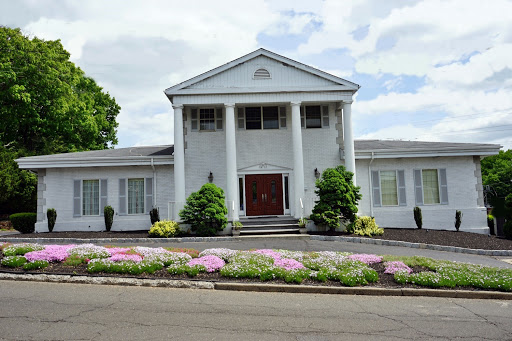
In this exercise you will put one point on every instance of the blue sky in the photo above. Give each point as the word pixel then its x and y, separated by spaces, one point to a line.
pixel 431 70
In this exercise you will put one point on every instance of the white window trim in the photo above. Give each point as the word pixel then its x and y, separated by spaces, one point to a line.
pixel 128 198
pixel 82 198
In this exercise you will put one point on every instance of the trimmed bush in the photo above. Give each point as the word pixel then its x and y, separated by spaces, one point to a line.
pixel 23 222
pixel 206 211
pixel 507 229
pixel 164 229
pixel 108 212
pixel 417 217
pixel 154 215
pixel 51 214
pixel 365 226
pixel 458 219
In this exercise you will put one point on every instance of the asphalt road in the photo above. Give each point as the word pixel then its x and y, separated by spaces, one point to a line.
pixel 305 244
pixel 45 311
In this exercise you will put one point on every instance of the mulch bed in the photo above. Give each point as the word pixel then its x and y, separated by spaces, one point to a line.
pixel 438 237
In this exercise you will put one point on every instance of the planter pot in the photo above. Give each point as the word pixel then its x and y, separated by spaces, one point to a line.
pixel 236 233
pixel 303 230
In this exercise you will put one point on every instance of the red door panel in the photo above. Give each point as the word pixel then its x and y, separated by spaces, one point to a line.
pixel 264 194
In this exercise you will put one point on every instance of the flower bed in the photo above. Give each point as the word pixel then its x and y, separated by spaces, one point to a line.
pixel 320 268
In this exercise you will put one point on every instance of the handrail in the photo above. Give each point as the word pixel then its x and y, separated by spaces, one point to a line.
pixel 301 208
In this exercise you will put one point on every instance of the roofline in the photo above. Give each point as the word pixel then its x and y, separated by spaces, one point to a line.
pixel 486 150
pixel 261 51
pixel 159 160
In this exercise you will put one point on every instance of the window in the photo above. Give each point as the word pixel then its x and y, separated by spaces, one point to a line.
pixel 91 197
pixel 262 117
pixel 388 185
pixel 314 116
pixel 135 196
pixel 430 186
pixel 241 193
pixel 388 188
pixel 207 119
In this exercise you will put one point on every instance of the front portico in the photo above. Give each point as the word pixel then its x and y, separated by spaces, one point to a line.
pixel 272 120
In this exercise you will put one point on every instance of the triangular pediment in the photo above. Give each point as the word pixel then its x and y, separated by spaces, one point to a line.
pixel 264 167
pixel 245 74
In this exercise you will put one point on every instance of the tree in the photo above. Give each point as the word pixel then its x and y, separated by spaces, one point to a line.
pixel 497 173
pixel 338 198
pixel 47 104
pixel 206 211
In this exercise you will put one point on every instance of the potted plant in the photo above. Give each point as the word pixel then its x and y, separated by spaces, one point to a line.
pixel 236 227
pixel 302 225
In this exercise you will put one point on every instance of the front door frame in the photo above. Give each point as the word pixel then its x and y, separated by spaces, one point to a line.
pixel 268 188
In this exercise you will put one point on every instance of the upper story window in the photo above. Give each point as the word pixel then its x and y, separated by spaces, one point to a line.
pixel 261 74
pixel 314 116
pixel 255 118
pixel 206 119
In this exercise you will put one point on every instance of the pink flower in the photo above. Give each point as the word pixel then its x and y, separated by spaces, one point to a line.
pixel 212 263
pixel 288 264
pixel 51 253
pixel 366 258
pixel 392 267
pixel 117 257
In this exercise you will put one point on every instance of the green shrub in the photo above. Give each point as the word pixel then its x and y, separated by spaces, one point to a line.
pixel 37 264
pixel 458 219
pixel 14 261
pixel 51 214
pixel 237 225
pixel 23 222
pixel 365 226
pixel 74 260
pixel 490 223
pixel 507 229
pixel 164 229
pixel 417 217
pixel 338 197
pixel 108 213
pixel 191 271
pixel 302 222
pixel 154 215
pixel 206 211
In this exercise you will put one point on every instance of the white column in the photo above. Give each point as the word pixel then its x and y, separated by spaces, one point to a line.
pixel 298 163
pixel 232 176
pixel 179 161
pixel 348 139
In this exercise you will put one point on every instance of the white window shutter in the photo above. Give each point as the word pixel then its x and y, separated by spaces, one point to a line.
pixel 325 116
pixel 282 117
pixel 193 119
pixel 149 194
pixel 302 118
pixel 241 118
pixel 77 198
pixel 402 201
pixel 218 118
pixel 444 186
pixel 103 195
pixel 418 187
pixel 376 189
pixel 122 196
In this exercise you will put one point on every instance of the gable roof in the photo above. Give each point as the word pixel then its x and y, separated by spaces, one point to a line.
pixel 175 90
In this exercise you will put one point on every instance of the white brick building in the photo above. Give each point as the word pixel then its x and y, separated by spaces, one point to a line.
pixel 262 127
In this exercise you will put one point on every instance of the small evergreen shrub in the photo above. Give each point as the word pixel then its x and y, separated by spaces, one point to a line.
pixel 37 264
pixel 108 212
pixel 154 215
pixel 51 214
pixel 458 219
pixel 206 211
pixel 490 224
pixel 23 222
pixel 417 217
pixel 507 229
pixel 164 229
pixel 365 226
pixel 14 261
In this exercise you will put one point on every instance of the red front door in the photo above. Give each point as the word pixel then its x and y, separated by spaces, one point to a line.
pixel 264 194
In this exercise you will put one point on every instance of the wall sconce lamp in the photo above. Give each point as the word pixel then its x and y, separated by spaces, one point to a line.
pixel 317 173
pixel 210 177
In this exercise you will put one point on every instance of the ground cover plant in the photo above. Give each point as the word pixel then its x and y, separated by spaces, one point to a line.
pixel 316 267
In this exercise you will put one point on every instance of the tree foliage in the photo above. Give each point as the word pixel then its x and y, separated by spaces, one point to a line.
pixel 47 106
pixel 497 173
pixel 338 198
pixel 206 210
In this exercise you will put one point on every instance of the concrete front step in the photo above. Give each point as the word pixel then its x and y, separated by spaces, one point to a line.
pixel 267 230
pixel 269 225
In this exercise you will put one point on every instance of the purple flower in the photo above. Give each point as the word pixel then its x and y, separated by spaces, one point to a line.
pixel 288 264
pixel 51 253
pixel 366 258
pixel 212 263
pixel 117 257
pixel 392 267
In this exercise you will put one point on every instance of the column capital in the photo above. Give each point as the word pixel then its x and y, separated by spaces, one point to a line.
pixel 177 106
pixel 350 101
pixel 295 103
pixel 229 105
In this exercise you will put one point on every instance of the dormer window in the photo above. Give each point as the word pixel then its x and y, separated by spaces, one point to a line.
pixel 261 74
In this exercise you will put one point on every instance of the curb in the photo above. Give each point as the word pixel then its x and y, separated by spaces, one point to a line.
pixel 119 240
pixel 255 287
pixel 435 247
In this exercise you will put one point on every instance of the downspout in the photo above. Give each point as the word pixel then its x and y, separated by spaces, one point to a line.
pixel 370 183
pixel 154 183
